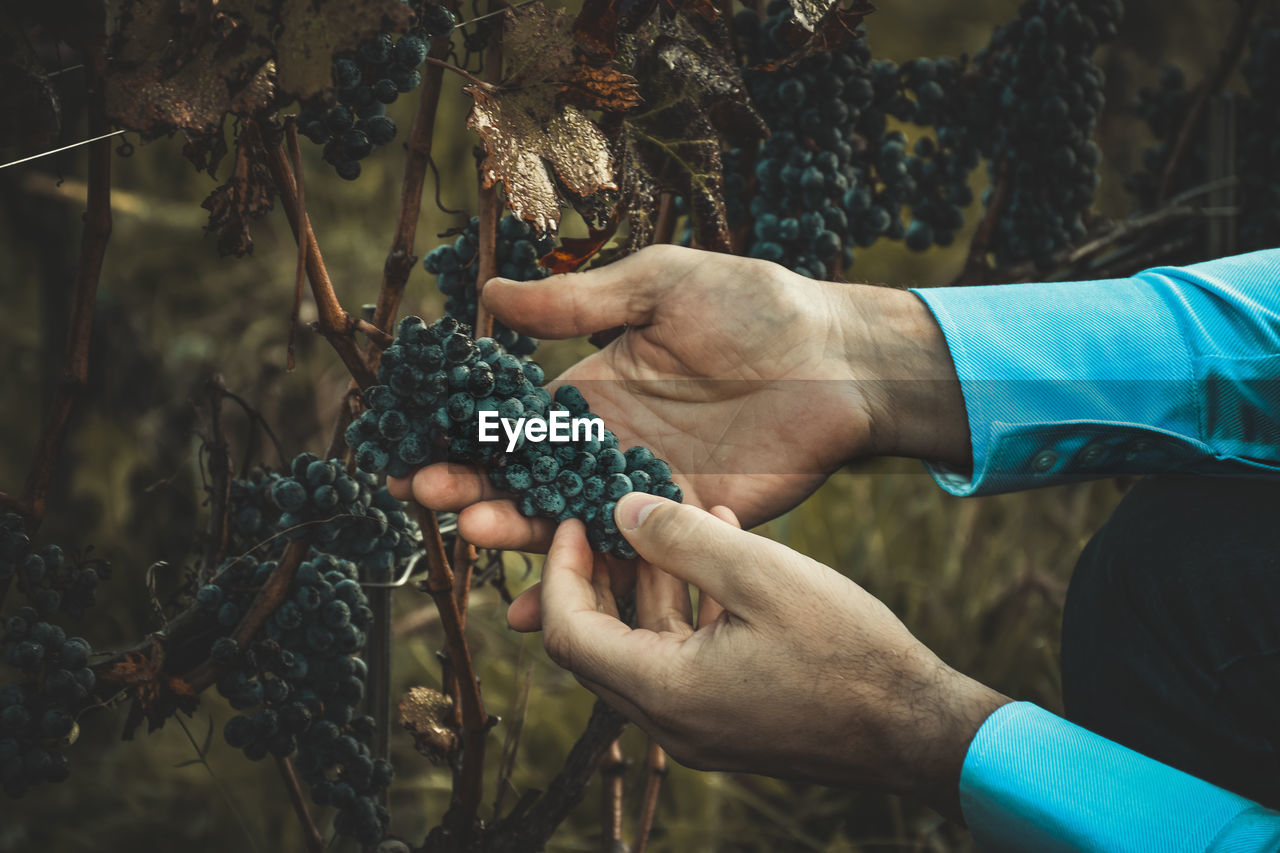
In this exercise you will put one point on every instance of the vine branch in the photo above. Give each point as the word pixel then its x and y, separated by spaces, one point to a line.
pixel 93 247
pixel 310 834
pixel 335 323
pixel 467 794
pixel 1212 84
pixel 655 771
pixel 976 267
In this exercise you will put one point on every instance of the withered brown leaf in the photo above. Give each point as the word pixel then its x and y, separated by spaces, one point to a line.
pixel 836 26
pixel 171 72
pixel 428 715
pixel 247 195
pixel 694 97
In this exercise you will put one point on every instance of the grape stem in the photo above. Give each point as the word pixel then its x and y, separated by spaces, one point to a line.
pixel 462 72
pixel 220 475
pixel 337 326
pixel 310 834
pixel 487 251
pixel 300 207
pixel 655 770
pixel 460 819
pixel 529 827
pixel 400 257
pixel 612 770
pixel 976 268
pixel 1211 85
pixel 93 247
pixel 269 597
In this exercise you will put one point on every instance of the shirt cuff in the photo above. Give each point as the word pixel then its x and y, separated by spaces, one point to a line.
pixel 1033 781
pixel 1076 380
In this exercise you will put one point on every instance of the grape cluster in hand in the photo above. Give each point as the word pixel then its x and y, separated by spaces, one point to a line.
pixel 300 682
pixel 366 80
pixel 435 382
pixel 38 713
pixel 455 267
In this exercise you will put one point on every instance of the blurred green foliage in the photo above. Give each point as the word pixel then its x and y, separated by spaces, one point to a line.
pixel 980 580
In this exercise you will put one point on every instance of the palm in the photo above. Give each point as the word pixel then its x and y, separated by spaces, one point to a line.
pixel 748 420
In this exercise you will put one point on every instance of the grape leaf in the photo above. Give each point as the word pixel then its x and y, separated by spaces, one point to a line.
pixel 247 195
pixel 185 72
pixel 810 12
pixel 694 96
pixel 538 141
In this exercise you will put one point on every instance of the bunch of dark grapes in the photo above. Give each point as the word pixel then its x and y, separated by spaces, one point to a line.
pixel 346 514
pixel 435 383
pixel 301 682
pixel 832 175
pixel 1039 81
pixel 39 713
pixel 455 268
pixel 366 80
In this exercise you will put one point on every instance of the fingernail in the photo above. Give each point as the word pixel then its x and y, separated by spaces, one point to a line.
pixel 634 508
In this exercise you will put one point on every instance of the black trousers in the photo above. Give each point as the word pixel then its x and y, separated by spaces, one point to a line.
pixel 1171 633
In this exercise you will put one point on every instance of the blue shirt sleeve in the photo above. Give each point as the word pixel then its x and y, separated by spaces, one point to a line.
pixel 1032 781
pixel 1174 369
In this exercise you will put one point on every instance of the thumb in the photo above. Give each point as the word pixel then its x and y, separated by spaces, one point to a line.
pixel 580 303
pixel 719 558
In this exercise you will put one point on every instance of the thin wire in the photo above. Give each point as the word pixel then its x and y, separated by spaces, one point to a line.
pixel 63 148
pixel 501 11
pixel 63 70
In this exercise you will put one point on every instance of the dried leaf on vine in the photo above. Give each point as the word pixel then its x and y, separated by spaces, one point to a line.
pixel 156 696
pixel 532 146
pixel 694 97
pixel 601 21
pixel 573 252
pixel 825 33
pixel 428 715
pixel 175 72
pixel 312 31
pixel 538 142
pixel 247 195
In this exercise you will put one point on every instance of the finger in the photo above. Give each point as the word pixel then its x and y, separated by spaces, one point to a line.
pixel 450 486
pixel 524 614
pixel 697 547
pixel 578 631
pixel 662 601
pixel 401 488
pixel 709 609
pixel 498 524
pixel 573 304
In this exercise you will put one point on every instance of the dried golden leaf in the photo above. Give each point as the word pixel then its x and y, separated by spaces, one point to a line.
pixel 530 145
pixel 428 714
pixel 810 12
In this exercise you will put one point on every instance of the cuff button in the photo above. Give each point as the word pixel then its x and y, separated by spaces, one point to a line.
pixel 1091 454
pixel 1043 461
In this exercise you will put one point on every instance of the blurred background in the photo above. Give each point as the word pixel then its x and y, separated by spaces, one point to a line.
pixel 981 581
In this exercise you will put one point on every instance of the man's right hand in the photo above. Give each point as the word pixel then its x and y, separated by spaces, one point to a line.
pixel 753 383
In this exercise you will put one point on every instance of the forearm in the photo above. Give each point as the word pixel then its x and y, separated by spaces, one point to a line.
pixel 903 370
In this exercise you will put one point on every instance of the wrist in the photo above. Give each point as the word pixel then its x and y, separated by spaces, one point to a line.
pixel 899 364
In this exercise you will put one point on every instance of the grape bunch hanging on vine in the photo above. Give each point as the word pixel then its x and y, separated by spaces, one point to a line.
pixel 771 132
